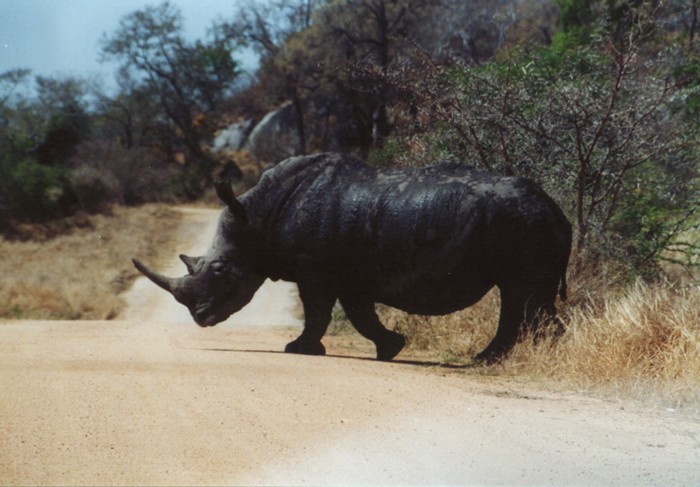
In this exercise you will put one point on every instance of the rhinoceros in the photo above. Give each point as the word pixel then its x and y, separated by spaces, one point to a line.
pixel 430 240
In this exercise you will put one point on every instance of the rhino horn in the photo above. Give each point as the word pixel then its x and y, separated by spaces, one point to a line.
pixel 190 262
pixel 169 284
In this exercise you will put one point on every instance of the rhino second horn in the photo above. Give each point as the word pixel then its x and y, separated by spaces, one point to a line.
pixel 190 262
pixel 166 283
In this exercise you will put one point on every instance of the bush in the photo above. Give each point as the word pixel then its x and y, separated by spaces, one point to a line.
pixel 100 174
pixel 598 129
pixel 105 173
pixel 32 192
pixel 95 189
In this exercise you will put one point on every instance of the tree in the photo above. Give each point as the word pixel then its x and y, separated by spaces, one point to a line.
pixel 133 117
pixel 187 79
pixel 10 81
pixel 323 56
pixel 10 106
pixel 278 30
pixel 64 100
pixel 267 26
pixel 373 32
pixel 595 122
pixel 38 134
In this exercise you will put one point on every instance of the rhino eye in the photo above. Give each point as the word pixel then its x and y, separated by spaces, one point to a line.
pixel 218 267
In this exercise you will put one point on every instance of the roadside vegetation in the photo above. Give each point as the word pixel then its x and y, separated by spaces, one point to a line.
pixel 598 101
pixel 639 342
pixel 76 268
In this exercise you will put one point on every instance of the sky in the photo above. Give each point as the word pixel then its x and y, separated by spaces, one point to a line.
pixel 62 37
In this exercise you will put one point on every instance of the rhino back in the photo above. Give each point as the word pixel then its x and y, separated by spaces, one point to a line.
pixel 394 233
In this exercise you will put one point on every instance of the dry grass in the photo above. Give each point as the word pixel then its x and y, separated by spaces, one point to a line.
pixel 454 338
pixel 78 271
pixel 642 343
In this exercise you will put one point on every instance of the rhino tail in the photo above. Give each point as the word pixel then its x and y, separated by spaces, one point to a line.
pixel 567 253
pixel 563 287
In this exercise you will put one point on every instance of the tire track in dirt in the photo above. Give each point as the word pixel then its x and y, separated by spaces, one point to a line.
pixel 154 399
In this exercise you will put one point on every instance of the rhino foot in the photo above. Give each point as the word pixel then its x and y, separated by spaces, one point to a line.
pixel 491 356
pixel 390 346
pixel 305 348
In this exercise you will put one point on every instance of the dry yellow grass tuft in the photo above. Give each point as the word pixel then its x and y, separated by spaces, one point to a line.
pixel 643 343
pixel 80 273
pixel 453 338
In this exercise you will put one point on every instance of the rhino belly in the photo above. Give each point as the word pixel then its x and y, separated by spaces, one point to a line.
pixel 432 295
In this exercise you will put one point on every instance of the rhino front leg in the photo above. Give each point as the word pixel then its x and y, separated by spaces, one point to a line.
pixel 364 318
pixel 318 306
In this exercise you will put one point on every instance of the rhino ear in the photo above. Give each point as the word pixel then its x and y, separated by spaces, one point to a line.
pixel 225 194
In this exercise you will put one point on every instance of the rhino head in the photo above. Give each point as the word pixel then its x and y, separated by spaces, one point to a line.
pixel 223 280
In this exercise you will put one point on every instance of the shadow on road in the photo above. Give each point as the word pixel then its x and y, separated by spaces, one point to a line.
pixel 414 362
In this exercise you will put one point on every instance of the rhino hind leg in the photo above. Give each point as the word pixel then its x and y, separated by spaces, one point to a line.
pixel 390 346
pixel 365 320
pixel 522 310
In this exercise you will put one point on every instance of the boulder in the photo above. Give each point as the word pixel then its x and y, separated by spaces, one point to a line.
pixel 275 138
pixel 233 137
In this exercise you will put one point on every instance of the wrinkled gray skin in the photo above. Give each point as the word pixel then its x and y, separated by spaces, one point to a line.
pixel 429 241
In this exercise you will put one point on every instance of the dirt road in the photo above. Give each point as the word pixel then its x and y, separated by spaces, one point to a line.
pixel 153 399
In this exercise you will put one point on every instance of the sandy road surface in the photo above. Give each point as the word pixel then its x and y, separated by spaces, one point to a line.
pixel 153 399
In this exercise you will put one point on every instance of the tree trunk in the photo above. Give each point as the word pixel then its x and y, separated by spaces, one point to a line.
pixel 693 24
pixel 301 128
pixel 379 122
pixel 379 118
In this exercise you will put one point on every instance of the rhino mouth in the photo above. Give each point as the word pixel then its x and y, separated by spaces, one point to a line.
pixel 204 318
pixel 207 321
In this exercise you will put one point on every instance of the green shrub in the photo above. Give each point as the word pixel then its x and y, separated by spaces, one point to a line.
pixel 598 131
pixel 32 192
